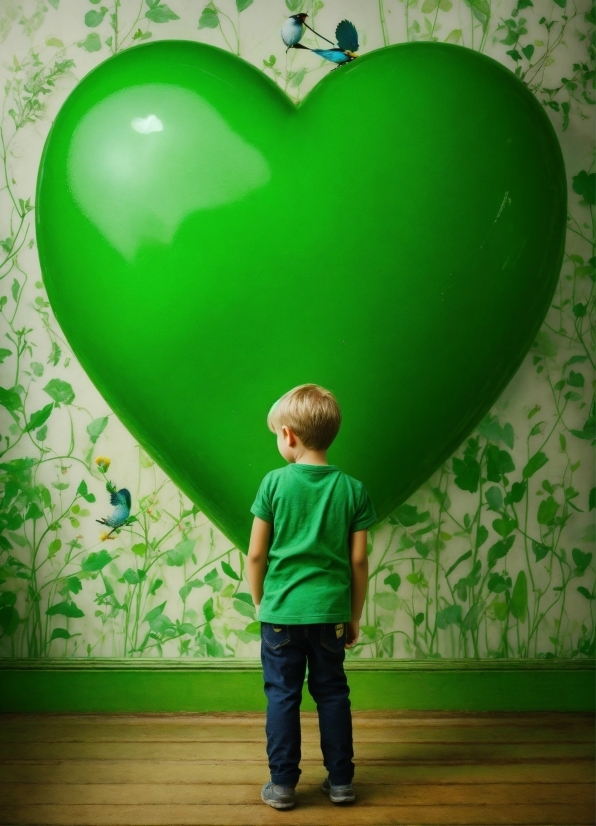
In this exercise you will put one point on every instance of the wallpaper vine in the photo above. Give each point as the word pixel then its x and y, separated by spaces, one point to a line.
pixel 492 558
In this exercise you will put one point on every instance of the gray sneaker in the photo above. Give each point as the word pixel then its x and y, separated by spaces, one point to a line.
pixel 339 794
pixel 280 797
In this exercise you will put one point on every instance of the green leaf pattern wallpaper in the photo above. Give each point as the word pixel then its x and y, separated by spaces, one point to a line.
pixel 492 558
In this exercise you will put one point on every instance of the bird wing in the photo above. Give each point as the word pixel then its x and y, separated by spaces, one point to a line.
pixel 121 499
pixel 334 55
pixel 347 36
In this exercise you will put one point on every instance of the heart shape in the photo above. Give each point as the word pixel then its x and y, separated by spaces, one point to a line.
pixel 207 245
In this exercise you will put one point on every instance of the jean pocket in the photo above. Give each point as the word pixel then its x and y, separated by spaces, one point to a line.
pixel 274 636
pixel 333 636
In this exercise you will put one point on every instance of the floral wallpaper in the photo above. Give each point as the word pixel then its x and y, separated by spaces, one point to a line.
pixel 492 558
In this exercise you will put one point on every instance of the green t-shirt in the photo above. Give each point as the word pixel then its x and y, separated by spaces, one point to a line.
pixel 313 509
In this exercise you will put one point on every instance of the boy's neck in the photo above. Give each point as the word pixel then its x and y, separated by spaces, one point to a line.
pixel 311 457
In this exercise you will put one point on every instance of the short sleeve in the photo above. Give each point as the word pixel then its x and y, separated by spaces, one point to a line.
pixel 365 516
pixel 261 507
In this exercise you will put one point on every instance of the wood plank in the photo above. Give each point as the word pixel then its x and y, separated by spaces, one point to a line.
pixel 256 771
pixel 410 794
pixel 365 718
pixel 309 813
pixel 241 751
pixel 84 731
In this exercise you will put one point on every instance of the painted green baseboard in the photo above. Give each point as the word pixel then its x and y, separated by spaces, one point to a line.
pixel 132 685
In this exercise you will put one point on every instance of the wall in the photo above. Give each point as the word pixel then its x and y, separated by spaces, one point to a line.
pixel 171 586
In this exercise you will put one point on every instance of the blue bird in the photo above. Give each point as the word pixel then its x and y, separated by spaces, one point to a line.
pixel 122 502
pixel 347 45
pixel 293 29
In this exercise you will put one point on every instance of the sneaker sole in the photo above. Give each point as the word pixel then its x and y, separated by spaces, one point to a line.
pixel 275 804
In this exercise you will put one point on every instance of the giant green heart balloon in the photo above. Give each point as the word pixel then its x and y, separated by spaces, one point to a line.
pixel 207 245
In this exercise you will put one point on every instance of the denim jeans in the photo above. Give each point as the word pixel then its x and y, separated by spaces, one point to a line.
pixel 285 650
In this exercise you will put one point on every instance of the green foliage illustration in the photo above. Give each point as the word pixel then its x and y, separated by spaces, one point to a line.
pixel 492 558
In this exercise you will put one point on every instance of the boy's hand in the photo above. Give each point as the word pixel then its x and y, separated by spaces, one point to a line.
pixel 353 633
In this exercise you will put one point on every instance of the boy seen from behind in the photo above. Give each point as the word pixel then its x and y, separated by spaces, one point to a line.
pixel 307 568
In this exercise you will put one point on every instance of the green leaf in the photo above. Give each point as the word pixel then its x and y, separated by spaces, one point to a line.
pixel 505 525
pixel 4 354
pixel 243 608
pixel 387 600
pixel 519 597
pixel 54 547
pixel 481 536
pixel 253 628
pixel 448 616
pixel 537 461
pixel 528 51
pixel 472 618
pixel 499 550
pixel 584 592
pixel 154 612
pixel 60 391
pixel 91 43
pixel 547 511
pixel 581 559
pixel 96 428
pixel 214 580
pixel 494 498
pixel 498 462
pixel 208 611
pixel 139 548
pixel 9 620
pixel 161 14
pixel 243 4
pixel 584 184
pixel 34 511
pixel 93 18
pixel 66 609
pixel 74 584
pixel 96 561
pixel 38 418
pixel 61 634
pixel 460 559
pixel 227 569
pixel 408 515
pixel 393 580
pixel 10 399
pixel 134 577
pixel 209 18
pixel 83 491
pixel 481 11
pixel 496 583
pixel 467 473
pixel 516 493
pixel 183 551
pixel 540 550
pixel 575 379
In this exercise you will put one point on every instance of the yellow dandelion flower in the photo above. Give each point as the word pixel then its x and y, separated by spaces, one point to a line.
pixel 102 463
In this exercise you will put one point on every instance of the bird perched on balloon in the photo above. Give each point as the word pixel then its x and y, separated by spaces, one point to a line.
pixel 120 516
pixel 347 45
pixel 293 30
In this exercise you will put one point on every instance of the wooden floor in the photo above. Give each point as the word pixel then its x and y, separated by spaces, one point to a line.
pixel 411 768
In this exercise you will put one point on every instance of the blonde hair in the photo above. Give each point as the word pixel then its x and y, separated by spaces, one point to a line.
pixel 311 411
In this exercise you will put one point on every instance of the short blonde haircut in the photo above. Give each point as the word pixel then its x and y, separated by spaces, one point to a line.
pixel 311 411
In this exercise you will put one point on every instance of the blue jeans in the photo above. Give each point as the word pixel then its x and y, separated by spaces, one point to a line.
pixel 285 650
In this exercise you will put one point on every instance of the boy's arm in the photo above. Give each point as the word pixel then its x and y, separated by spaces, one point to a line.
pixel 256 561
pixel 359 565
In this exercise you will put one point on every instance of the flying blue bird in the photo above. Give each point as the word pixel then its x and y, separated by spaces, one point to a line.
pixel 121 501
pixel 293 29
pixel 347 45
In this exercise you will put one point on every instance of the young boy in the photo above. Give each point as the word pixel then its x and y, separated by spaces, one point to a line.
pixel 307 568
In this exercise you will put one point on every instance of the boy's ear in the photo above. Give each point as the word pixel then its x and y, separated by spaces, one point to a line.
pixel 289 433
